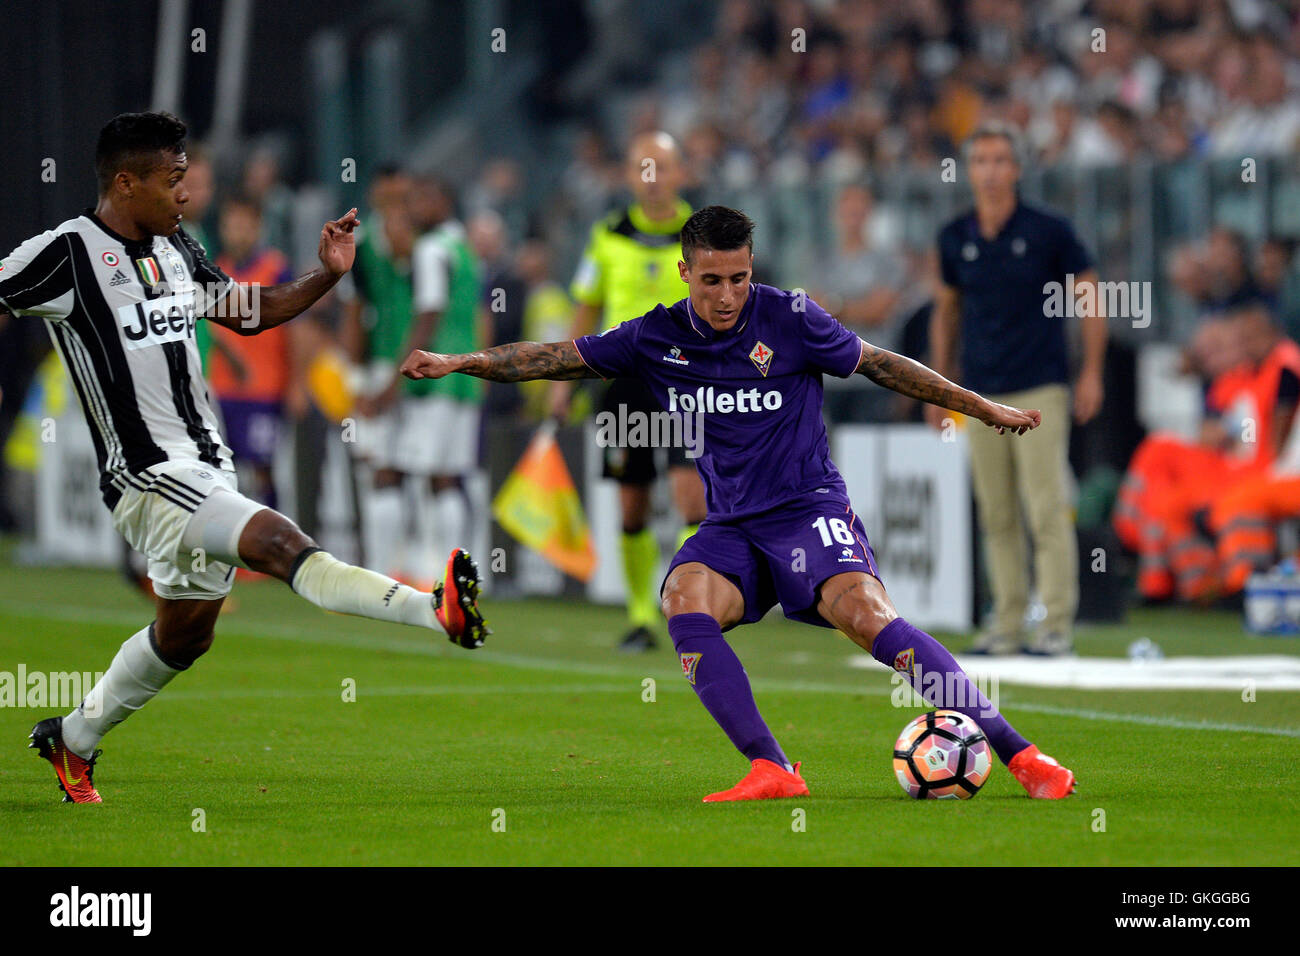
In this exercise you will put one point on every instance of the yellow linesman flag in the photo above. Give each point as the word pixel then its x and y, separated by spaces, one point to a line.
pixel 539 506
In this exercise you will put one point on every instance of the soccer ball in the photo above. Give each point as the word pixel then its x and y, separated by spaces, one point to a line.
pixel 942 755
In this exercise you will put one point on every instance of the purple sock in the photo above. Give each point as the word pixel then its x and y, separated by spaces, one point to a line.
pixel 719 680
pixel 911 651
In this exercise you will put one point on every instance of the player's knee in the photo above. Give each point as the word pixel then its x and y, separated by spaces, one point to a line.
pixel 677 600
pixel 865 623
pixel 275 549
pixel 672 602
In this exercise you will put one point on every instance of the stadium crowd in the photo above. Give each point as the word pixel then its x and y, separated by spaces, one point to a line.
pixel 837 96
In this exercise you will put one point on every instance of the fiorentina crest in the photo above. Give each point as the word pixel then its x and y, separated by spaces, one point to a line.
pixel 761 356
pixel 689 663
pixel 903 661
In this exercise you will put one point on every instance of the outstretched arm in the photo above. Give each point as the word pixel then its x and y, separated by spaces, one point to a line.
pixel 250 309
pixel 515 362
pixel 915 380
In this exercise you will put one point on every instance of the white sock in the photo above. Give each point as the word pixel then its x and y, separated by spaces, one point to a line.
pixel 427 557
pixel 135 676
pixel 330 584
pixel 451 509
pixel 385 520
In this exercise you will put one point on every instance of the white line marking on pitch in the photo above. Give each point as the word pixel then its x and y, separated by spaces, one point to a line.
pixel 1228 672
pixel 1176 722
pixel 364 690
pixel 551 664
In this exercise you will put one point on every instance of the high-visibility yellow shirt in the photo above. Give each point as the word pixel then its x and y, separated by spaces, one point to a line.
pixel 630 264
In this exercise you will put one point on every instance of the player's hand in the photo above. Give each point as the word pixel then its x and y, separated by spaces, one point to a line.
pixel 1004 418
pixel 1088 395
pixel 338 247
pixel 420 364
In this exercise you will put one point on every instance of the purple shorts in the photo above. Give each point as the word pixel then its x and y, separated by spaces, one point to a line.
pixel 784 555
pixel 252 429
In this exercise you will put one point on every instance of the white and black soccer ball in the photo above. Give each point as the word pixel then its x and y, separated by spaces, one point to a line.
pixel 942 755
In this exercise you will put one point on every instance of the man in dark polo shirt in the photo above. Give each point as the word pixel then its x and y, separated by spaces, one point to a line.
pixel 996 306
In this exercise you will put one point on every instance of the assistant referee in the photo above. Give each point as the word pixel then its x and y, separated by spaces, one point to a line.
pixel 630 266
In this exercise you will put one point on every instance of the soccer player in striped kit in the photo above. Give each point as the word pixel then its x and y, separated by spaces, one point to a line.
pixel 121 289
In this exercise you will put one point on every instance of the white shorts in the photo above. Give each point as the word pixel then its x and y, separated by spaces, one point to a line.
pixel 439 436
pixel 377 438
pixel 186 518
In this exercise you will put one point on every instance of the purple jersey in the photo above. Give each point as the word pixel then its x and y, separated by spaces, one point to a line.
pixel 756 389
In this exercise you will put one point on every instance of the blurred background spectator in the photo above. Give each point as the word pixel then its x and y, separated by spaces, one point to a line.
pixel 250 375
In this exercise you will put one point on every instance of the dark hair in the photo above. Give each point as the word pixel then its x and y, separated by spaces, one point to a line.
pixel 716 227
pixel 440 185
pixel 132 141
pixel 388 168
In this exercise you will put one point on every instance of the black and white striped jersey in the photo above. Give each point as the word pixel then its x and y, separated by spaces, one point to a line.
pixel 121 313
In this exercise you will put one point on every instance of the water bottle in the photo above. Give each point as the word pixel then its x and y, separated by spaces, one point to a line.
pixel 1144 649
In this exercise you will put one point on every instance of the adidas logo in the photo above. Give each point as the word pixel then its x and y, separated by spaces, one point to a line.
pixel 119 278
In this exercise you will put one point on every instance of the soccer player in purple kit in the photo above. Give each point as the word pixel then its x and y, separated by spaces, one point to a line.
pixel 748 359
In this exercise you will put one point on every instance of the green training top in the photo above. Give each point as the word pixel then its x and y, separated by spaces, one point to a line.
pixel 385 286
pixel 446 278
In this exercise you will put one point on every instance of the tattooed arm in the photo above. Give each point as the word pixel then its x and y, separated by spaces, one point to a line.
pixel 515 362
pixel 907 377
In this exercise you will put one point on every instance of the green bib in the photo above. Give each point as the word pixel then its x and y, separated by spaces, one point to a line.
pixel 385 285
pixel 458 327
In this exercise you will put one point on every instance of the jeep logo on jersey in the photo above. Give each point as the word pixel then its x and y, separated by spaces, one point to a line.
pixel 707 400
pixel 167 319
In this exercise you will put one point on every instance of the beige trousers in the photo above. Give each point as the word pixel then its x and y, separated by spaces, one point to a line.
pixel 1029 472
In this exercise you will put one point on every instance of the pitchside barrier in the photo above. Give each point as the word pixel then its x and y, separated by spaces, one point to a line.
pixel 912 489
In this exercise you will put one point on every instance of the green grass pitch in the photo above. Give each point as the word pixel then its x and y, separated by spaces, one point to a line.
pixel 540 749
